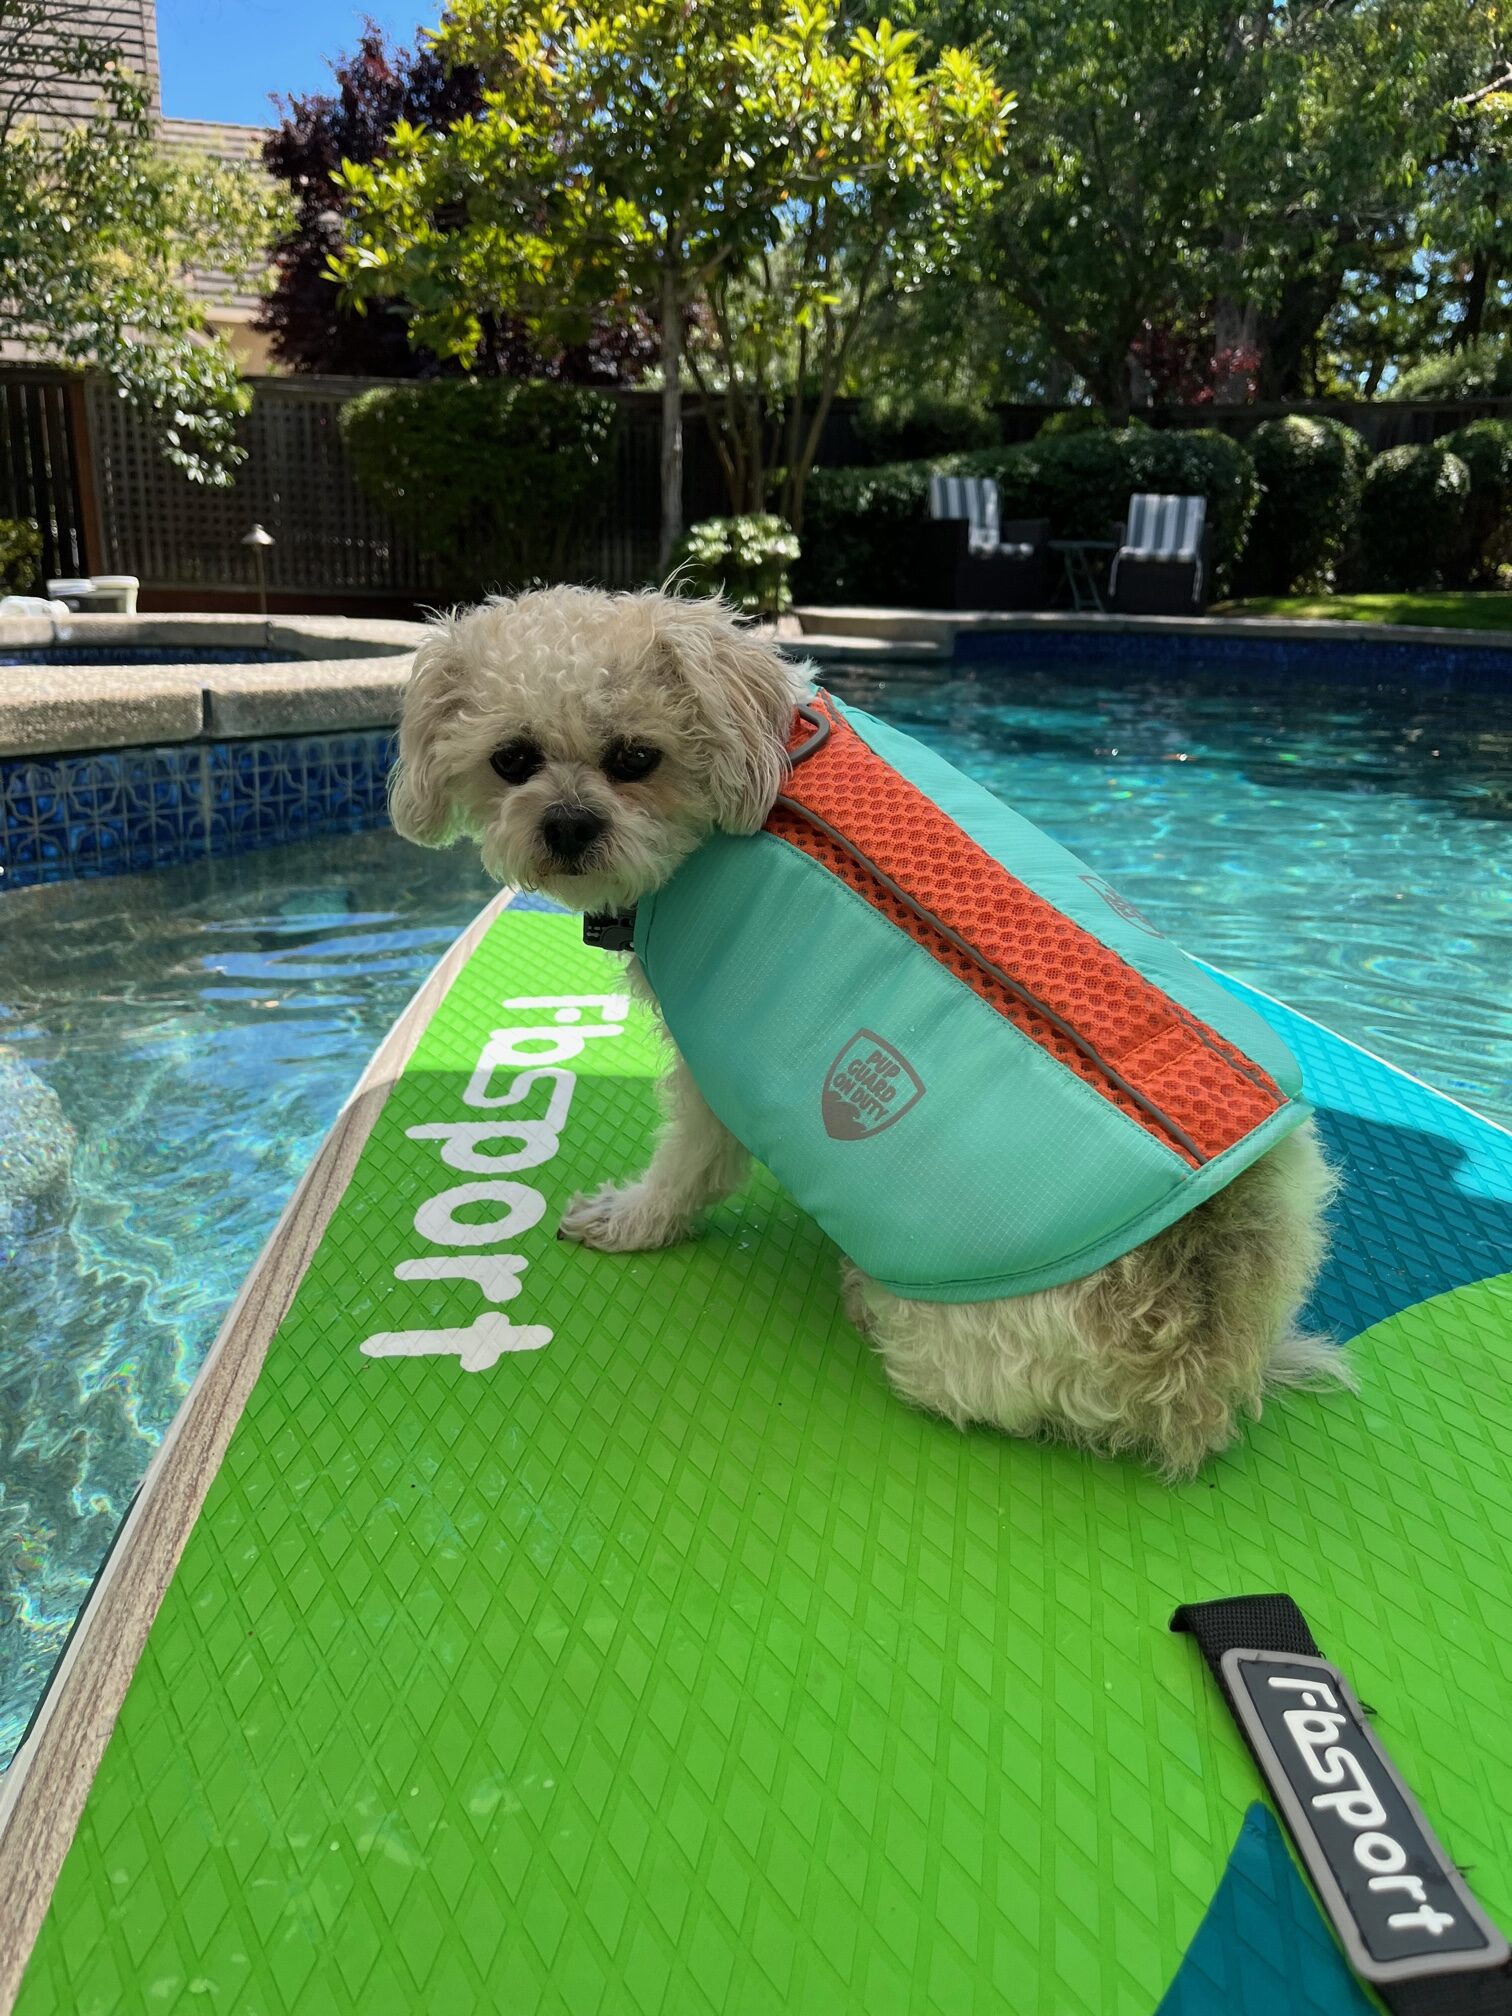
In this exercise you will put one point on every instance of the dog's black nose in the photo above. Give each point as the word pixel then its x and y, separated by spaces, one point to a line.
pixel 570 830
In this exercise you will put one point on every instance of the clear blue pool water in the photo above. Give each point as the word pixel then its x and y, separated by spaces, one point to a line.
pixel 1347 849
pixel 1350 850
pixel 201 1027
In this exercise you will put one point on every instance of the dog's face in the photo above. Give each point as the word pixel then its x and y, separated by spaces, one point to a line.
pixel 588 741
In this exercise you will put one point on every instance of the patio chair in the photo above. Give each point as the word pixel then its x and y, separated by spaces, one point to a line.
pixel 973 559
pixel 1164 556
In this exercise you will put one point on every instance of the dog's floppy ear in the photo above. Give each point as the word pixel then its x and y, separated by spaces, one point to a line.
pixel 743 694
pixel 420 801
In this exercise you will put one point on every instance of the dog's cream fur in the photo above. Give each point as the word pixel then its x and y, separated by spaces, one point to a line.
pixel 1160 1352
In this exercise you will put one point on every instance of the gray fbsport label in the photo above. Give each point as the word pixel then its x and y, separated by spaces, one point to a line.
pixel 1396 1900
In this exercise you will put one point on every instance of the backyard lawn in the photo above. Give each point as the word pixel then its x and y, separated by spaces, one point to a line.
pixel 1490 609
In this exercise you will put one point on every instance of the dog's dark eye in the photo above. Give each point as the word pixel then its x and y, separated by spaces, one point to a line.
pixel 515 761
pixel 628 762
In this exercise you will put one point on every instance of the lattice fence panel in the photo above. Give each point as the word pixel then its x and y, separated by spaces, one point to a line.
pixel 296 482
pixel 178 534
pixel 39 466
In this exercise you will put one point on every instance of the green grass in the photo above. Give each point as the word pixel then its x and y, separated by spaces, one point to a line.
pixel 1488 610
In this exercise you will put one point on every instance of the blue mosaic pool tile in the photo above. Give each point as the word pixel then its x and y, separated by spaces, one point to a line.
pixel 130 809
pixel 1137 654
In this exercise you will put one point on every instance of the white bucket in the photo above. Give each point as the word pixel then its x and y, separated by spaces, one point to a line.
pixel 121 589
pixel 104 595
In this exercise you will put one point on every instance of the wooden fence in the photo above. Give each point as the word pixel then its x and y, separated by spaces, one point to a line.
pixel 41 475
pixel 80 460
pixel 83 463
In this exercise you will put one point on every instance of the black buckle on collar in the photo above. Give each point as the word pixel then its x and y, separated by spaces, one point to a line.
pixel 610 930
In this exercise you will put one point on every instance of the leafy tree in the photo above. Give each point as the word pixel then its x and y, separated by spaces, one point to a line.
pixel 98 232
pixel 1480 370
pixel 882 166
pixel 741 164
pixel 376 88
pixel 1181 165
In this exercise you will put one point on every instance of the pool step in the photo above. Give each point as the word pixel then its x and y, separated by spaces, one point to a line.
pixel 825 649
pixel 914 626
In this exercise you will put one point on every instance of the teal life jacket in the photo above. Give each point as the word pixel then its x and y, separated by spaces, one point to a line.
pixel 978 1068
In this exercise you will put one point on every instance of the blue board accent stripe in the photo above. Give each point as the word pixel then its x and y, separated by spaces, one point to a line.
pixel 1427 1199
pixel 1263 1945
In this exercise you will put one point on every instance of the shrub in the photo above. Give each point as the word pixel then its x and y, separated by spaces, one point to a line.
pixel 20 555
pixel 1074 420
pixel 1485 448
pixel 1307 519
pixel 745 559
pixel 495 478
pixel 897 427
pixel 1412 514
pixel 861 535
pixel 1482 370
pixel 860 539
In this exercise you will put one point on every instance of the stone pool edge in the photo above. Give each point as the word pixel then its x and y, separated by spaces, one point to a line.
pixel 341 673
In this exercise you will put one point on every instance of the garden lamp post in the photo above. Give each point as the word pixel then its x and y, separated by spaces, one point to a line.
pixel 259 541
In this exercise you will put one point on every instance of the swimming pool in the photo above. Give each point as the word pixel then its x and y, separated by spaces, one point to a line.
pixel 1346 848
pixel 201 1027
pixel 1350 850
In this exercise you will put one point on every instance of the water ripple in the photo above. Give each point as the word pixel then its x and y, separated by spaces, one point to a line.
pixel 201 1028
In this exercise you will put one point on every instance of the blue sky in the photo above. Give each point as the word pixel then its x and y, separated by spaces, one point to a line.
pixel 221 58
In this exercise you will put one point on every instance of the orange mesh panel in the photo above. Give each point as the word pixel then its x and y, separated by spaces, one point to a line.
pixel 1201 1082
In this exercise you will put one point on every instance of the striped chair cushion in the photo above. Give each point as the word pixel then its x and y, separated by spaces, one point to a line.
pixel 1164 528
pixel 974 498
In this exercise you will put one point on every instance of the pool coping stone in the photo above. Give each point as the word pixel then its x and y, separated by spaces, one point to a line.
pixel 342 672
pixel 348 672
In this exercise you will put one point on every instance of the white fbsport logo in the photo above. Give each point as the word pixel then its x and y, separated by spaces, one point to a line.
pixel 1398 1903
pixel 536 1054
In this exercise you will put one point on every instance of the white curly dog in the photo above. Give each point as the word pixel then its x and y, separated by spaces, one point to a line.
pixel 587 742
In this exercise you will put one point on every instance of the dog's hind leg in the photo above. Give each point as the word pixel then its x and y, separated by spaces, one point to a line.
pixel 697 1162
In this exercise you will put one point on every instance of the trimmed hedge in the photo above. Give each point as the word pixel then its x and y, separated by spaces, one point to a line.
pixel 1412 517
pixel 1485 448
pixel 496 478
pixel 861 536
pixel 1307 520
pixel 895 428
pixel 1075 420
pixel 860 526
pixel 20 555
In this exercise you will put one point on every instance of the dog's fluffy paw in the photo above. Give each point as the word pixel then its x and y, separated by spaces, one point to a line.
pixel 620 1218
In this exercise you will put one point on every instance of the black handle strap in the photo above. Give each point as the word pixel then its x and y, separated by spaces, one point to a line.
pixel 1398 1906
pixel 1267 1623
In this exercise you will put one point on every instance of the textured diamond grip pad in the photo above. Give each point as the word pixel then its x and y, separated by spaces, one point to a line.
pixel 675 1666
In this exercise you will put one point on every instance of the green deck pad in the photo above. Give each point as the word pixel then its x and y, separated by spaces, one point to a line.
pixel 678 1667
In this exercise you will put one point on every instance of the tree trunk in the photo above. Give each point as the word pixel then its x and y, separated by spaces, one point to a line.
pixel 1287 334
pixel 671 419
pixel 1234 328
pixel 1474 320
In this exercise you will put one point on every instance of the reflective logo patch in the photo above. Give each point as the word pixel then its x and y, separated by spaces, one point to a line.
pixel 870 1085
pixel 1121 906
pixel 1397 1902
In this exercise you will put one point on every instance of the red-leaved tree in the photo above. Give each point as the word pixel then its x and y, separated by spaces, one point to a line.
pixel 377 86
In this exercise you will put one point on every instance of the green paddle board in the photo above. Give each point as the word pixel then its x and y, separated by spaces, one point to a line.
pixel 582 1633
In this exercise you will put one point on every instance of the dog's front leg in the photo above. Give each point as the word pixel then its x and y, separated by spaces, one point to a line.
pixel 697 1162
